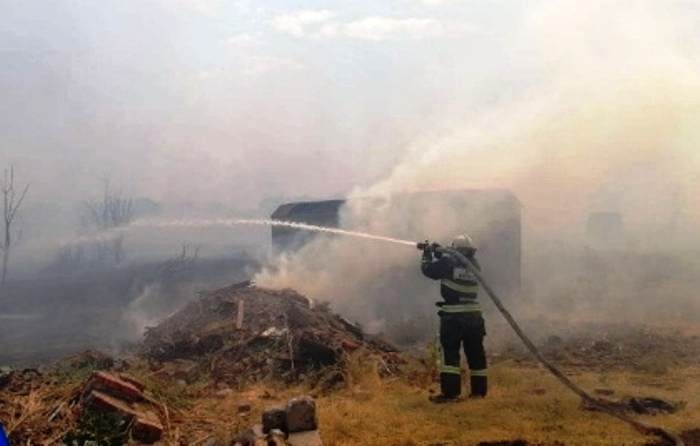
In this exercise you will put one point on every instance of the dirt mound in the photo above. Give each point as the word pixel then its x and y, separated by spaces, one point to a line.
pixel 244 333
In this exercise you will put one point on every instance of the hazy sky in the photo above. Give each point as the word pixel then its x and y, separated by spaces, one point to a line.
pixel 236 101
pixel 239 100
pixel 573 105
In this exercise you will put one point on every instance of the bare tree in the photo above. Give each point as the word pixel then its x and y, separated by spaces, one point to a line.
pixel 179 264
pixel 112 212
pixel 12 201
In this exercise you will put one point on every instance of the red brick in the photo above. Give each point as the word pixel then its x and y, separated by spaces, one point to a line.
pixel 147 428
pixel 114 386
pixel 101 401
pixel 133 381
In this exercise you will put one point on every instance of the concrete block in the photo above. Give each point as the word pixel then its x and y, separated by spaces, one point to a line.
pixel 274 418
pixel 301 414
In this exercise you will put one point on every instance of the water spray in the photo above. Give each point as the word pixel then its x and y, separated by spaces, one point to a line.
pixel 263 222
pixel 111 234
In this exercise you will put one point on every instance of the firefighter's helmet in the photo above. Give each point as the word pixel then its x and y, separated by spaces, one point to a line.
pixel 464 244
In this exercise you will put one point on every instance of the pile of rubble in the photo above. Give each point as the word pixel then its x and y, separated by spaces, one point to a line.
pixel 292 424
pixel 243 334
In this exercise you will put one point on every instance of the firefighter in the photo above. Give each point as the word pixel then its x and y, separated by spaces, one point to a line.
pixel 461 321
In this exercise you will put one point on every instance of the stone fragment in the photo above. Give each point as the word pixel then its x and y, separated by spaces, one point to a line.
pixel 276 438
pixel 301 414
pixel 245 438
pixel 258 430
pixel 308 438
pixel 274 418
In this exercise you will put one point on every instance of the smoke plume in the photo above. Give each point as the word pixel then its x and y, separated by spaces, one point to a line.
pixel 611 124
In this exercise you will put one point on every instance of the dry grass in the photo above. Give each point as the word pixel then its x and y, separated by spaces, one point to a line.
pixel 395 411
pixel 398 413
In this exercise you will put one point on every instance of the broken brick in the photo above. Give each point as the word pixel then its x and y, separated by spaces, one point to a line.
pixel 147 428
pixel 133 381
pixel 115 386
pixel 100 401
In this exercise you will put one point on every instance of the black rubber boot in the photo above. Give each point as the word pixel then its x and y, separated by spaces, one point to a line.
pixel 450 384
pixel 479 385
pixel 450 389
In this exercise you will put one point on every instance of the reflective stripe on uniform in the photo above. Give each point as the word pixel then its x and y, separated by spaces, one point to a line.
pixel 467 289
pixel 482 372
pixel 452 370
pixel 464 308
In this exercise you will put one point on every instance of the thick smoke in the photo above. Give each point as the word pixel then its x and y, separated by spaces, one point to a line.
pixel 611 125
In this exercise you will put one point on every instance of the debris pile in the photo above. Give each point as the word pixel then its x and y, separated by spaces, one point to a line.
pixel 20 380
pixel 293 424
pixel 242 333
pixel 46 407
pixel 29 408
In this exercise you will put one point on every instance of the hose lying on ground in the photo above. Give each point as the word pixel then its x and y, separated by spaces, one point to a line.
pixel 638 425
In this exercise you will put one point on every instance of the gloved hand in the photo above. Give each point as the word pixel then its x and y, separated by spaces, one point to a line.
pixel 435 248
pixel 427 251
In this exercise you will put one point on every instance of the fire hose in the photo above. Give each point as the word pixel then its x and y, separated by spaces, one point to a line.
pixel 641 427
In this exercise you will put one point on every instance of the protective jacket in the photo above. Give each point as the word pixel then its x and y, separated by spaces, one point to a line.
pixel 461 323
pixel 457 284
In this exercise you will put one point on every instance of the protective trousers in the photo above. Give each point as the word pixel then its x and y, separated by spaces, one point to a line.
pixel 467 330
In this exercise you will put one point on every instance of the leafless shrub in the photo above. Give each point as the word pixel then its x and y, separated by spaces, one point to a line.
pixel 111 212
pixel 11 204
